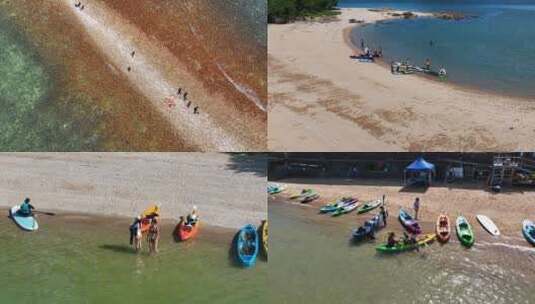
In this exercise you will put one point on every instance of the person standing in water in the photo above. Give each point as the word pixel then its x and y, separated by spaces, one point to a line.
pixel 26 208
pixel 192 218
pixel 416 207
pixel 428 64
pixel 153 237
pixel 135 233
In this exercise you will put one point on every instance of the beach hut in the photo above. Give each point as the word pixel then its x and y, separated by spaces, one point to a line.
pixel 419 172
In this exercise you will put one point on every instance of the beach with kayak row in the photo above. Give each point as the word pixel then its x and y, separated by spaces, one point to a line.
pixel 228 189
pixel 507 210
pixel 323 100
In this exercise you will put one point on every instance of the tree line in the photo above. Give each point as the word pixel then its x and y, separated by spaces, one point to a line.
pixel 281 11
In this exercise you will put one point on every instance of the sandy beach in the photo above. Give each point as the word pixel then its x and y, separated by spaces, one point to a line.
pixel 228 189
pixel 320 99
pixel 507 209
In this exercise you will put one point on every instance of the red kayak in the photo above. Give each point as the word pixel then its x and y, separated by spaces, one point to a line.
pixel 186 232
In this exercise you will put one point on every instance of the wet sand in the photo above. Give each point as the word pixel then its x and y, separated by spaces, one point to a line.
pixel 124 117
pixel 320 99
pixel 228 189
pixel 507 209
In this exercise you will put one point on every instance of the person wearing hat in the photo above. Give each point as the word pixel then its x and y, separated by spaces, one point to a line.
pixel 192 218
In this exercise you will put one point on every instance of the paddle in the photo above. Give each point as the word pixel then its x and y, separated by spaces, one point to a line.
pixel 43 212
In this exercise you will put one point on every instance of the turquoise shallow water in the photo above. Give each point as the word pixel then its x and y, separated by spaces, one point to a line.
pixel 494 52
pixel 80 259
pixel 314 262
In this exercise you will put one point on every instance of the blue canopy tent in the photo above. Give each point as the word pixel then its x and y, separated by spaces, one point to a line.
pixel 419 171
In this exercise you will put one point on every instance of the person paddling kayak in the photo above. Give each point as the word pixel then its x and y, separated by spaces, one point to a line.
pixel 26 208
pixel 391 242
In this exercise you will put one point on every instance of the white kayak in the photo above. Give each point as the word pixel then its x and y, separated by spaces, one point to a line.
pixel 28 223
pixel 488 224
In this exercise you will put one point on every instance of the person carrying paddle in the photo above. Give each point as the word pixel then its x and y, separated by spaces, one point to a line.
pixel 26 208
pixel 416 207
pixel 153 237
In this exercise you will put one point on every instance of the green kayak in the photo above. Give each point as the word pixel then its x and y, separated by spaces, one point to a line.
pixel 400 246
pixel 464 231
pixel 368 206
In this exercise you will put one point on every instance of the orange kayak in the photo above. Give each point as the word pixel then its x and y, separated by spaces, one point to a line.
pixel 186 232
pixel 443 228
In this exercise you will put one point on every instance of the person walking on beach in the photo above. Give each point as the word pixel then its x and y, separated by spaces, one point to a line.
pixel 384 214
pixel 153 237
pixel 416 207
pixel 179 91
pixel 196 110
pixel 185 96
pixel 135 233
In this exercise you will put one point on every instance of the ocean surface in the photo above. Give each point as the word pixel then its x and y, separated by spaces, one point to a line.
pixel 493 51
pixel 315 262
pixel 82 259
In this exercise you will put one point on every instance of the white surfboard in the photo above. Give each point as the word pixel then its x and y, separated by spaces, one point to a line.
pixel 488 224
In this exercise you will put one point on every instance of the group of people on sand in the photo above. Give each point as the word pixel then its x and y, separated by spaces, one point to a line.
pixel 405 239
pixel 153 232
pixel 184 96
pixel 80 5
pixel 375 53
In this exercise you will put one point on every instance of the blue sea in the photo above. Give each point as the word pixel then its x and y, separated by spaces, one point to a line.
pixel 495 51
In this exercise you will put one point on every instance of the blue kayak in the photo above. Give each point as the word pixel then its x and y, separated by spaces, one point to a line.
pixel 528 228
pixel 369 226
pixel 247 245
pixel 27 223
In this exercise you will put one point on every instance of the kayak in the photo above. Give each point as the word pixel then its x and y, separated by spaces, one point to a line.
pixel 247 245
pixel 368 206
pixel 408 222
pixel 443 229
pixel 275 188
pixel 346 208
pixel 374 224
pixel 488 224
pixel 528 229
pixel 302 194
pixel 186 232
pixel 335 205
pixel 464 232
pixel 265 236
pixel 309 197
pixel 400 246
pixel 28 223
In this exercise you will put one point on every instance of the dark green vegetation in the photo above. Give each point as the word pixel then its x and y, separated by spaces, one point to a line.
pixel 282 11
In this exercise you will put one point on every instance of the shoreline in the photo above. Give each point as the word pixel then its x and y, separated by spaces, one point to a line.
pixel 507 210
pixel 337 99
pixel 227 192
pixel 470 89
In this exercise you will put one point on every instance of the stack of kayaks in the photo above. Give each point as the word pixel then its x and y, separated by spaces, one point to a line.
pixel 368 206
pixel 372 225
pixel 247 245
pixel 401 246
pixel 331 207
pixel 488 224
pixel 28 223
pixel 275 188
pixel 186 232
pixel 346 208
pixel 528 229
pixel 443 228
pixel 408 222
pixel 464 231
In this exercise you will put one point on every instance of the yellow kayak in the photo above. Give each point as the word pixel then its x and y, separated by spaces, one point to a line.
pixel 265 236
pixel 151 210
